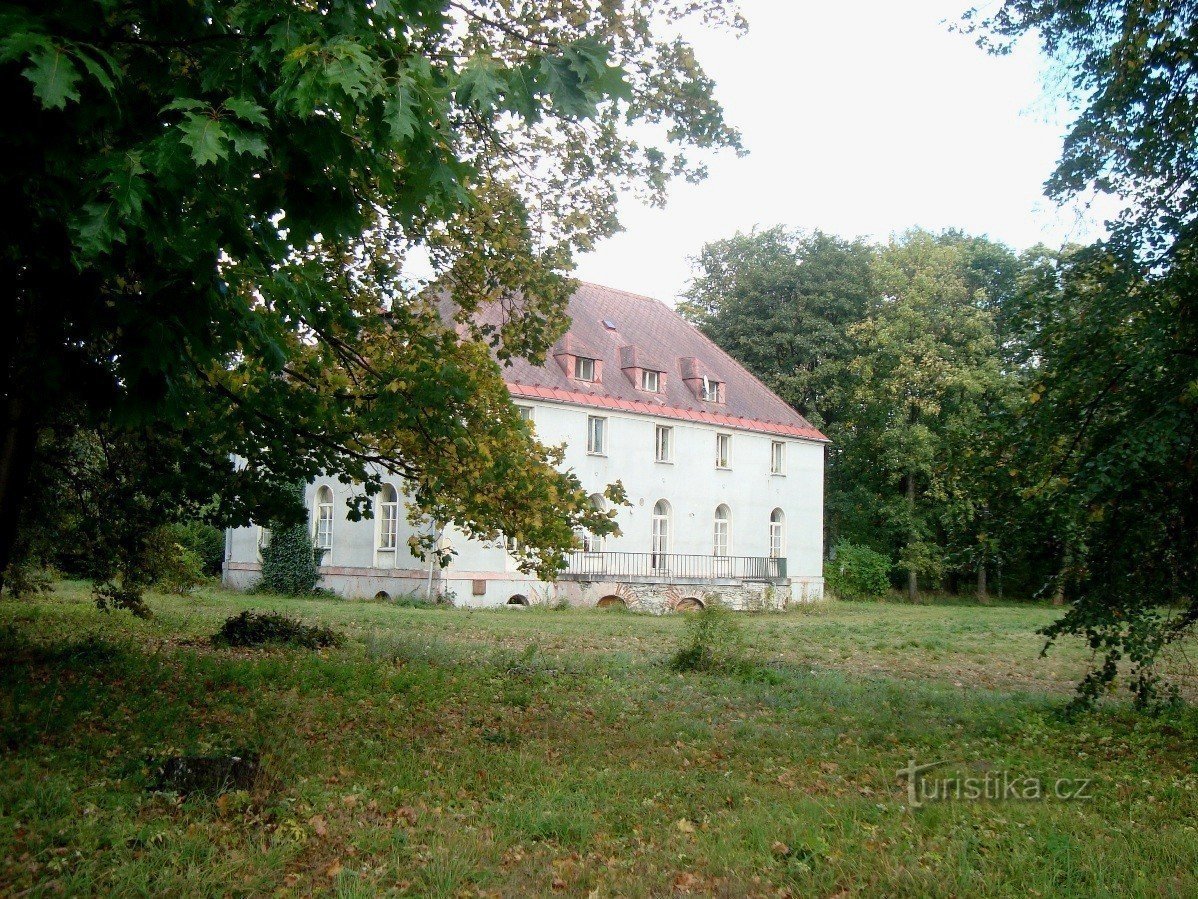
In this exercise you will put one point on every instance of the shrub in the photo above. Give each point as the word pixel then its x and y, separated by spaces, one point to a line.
pixel 857 572
pixel 167 562
pixel 290 563
pixel 205 541
pixel 262 628
pixel 712 641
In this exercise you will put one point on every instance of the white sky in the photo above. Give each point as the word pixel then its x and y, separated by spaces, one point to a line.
pixel 862 118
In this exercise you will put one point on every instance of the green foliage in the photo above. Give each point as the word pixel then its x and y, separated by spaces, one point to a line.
pixel 857 572
pixel 211 206
pixel 290 562
pixel 713 641
pixel 172 565
pixel 781 302
pixel 1110 334
pixel 206 541
pixel 267 628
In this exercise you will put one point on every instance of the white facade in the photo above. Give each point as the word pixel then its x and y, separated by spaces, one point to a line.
pixel 750 495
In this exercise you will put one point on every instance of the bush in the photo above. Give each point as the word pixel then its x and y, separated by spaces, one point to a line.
pixel 290 563
pixel 206 541
pixel 167 562
pixel 857 572
pixel 712 642
pixel 262 628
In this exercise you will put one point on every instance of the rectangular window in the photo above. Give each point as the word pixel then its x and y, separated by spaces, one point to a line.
pixel 596 435
pixel 665 444
pixel 525 413
pixel 775 539
pixel 324 526
pixel 584 369
pixel 650 381
pixel 777 457
pixel 711 390
pixel 723 450
pixel 388 525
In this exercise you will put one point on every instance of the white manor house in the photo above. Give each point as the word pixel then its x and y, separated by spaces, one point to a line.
pixel 725 481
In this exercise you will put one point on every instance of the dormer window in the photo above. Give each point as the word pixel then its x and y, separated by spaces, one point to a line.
pixel 584 369
pixel 712 390
pixel 650 380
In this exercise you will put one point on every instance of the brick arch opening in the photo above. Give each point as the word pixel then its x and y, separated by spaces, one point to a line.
pixel 383 595
pixel 689 604
pixel 612 602
pixel 518 599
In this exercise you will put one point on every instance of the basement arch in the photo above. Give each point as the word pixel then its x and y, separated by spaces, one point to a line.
pixel 518 599
pixel 611 602
pixel 689 604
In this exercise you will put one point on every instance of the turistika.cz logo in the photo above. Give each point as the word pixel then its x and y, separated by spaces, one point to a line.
pixel 993 786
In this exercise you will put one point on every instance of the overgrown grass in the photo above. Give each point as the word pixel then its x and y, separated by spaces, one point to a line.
pixel 447 752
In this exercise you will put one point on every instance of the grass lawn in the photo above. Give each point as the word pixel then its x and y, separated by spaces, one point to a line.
pixel 443 752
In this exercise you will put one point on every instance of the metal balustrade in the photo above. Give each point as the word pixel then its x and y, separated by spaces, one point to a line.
pixel 621 566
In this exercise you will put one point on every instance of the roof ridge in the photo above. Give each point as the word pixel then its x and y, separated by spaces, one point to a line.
pixel 627 293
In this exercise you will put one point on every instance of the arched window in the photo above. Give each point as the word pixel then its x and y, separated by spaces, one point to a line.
pixel 722 542
pixel 590 542
pixel 388 517
pixel 661 534
pixel 324 518
pixel 777 521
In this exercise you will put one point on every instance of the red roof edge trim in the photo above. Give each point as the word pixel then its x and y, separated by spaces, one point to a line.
pixel 555 394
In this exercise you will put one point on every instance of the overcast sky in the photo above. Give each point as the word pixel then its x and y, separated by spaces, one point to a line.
pixel 862 118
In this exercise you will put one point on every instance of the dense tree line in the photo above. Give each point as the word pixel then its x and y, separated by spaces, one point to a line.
pixel 1034 414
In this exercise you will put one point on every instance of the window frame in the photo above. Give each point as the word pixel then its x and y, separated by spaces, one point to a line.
pixel 323 537
pixel 526 413
pixel 660 534
pixel 723 461
pixel 591 364
pixel 388 520
pixel 777 533
pixel 722 532
pixel 778 458
pixel 645 373
pixel 668 457
pixel 601 448
pixel 710 390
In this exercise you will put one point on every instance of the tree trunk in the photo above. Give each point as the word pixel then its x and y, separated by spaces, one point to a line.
pixel 983 595
pixel 1058 598
pixel 912 577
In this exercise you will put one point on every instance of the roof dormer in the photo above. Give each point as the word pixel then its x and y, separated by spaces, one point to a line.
pixel 645 373
pixel 704 383
pixel 578 361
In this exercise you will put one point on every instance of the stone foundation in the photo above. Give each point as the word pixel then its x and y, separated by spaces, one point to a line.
pixel 490 591
pixel 659 599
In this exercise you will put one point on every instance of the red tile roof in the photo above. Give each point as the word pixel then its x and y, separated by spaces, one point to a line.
pixel 654 332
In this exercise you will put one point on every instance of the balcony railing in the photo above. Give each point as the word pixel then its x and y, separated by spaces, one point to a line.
pixel 619 566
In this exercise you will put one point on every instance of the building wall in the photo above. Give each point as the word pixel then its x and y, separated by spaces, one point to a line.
pixel 692 484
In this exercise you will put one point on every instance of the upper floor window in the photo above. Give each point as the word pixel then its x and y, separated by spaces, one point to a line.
pixel 712 390
pixel 777 520
pixel 723 450
pixel 722 542
pixel 596 435
pixel 777 457
pixel 664 444
pixel 650 380
pixel 388 518
pixel 584 369
pixel 525 413
pixel 324 518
